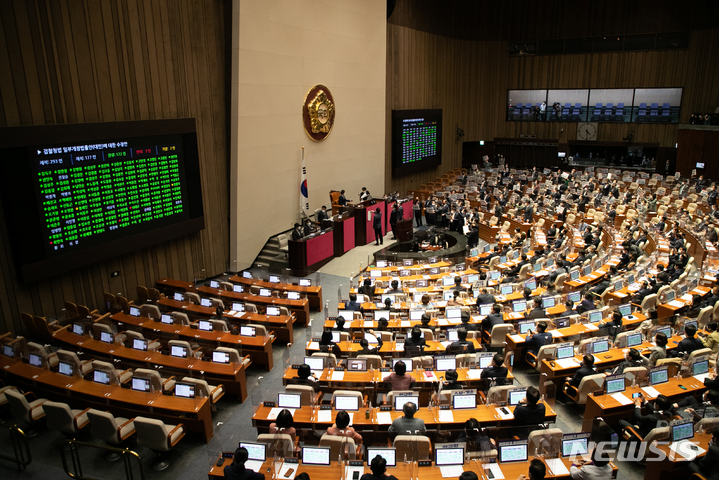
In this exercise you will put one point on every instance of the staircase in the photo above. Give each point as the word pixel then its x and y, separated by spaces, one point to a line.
pixel 272 256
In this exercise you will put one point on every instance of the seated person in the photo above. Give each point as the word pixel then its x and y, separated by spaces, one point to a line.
pixel 327 345
pixel 425 302
pixel 613 327
pixel 367 288
pixel 484 298
pixel 598 468
pixel 407 425
pixel 237 471
pixel 530 410
pixel 395 288
pixel 378 467
pixel 494 318
pixel 712 340
pixel 537 311
pixel 454 301
pixel 586 368
pixel 366 350
pixel 659 351
pixel 661 412
pixel 496 370
pixel 284 424
pixel 462 345
pixel 537 470
pixel 341 427
pixel 535 341
pixel 470 327
pixel 689 343
pixel 305 376
pixel 633 358
pixel 415 342
pixel 586 304
pixel 688 407
pixel 353 304
pixel 425 321
pixel 451 382
pixel 399 378
pixel 339 325
pixel 643 291
pixel 707 465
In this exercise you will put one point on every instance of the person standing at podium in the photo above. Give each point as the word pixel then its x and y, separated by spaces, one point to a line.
pixel 365 195
pixel 377 225
pixel 417 208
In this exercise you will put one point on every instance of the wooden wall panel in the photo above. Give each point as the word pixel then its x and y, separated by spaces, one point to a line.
pixel 469 80
pixel 78 61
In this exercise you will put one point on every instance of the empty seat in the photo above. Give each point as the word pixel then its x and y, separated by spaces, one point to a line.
pixel 150 311
pixel 28 412
pixel 157 383
pixel 62 418
pixel 413 447
pixel 116 375
pixel 340 446
pixel 213 392
pixel 49 359
pixel 110 429
pixel 80 368
pixel 158 437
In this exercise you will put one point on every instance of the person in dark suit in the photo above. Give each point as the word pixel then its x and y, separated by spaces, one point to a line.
pixel 465 317
pixel 366 350
pixel 237 471
pixel 537 311
pixel 415 344
pixel 613 327
pixel 353 304
pixel 462 345
pixel 494 318
pixel 535 341
pixel 530 411
pixel 297 232
pixel 484 298
pixel 377 225
pixel 660 411
pixel 393 219
pixel 586 304
pixel 689 343
pixel 643 291
pixel 342 200
pixel 528 213
pixel 587 368
pixel 496 370
pixel 378 467
pixel 707 465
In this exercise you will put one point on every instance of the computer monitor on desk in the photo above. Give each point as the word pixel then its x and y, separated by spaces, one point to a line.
pixel 484 360
pixel 565 350
pixel 316 456
pixel 316 363
pixel 615 384
pixel 381 314
pixel 574 296
pixel 289 400
pixel 519 306
pixel 683 430
pixel 347 403
pixel 407 362
pixel 445 457
pixel 700 367
pixel 516 395
pixel 305 282
pixel 442 363
pixel 575 444
pixel 634 339
pixel 531 284
pixel 594 316
pixel 513 451
pixel 659 375
pixel 453 312
pixel 485 309
pixel 625 309
pixel 348 315
pixel 600 346
pixel 669 296
pixel 524 327
pixel 400 400
pixel 548 302
pixel 389 454
pixel 462 401
pixel 205 302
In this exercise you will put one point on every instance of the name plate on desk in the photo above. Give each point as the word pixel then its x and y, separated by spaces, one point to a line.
pixel 269 404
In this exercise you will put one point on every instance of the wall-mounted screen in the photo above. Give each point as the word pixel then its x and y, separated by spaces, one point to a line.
pixel 416 140
pixel 78 194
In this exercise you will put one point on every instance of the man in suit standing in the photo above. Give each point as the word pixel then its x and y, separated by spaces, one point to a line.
pixel 342 201
pixel 393 219
pixel 297 232
pixel 528 213
pixel 377 225
pixel 322 216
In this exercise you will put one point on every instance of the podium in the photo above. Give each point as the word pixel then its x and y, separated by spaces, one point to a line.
pixel 404 230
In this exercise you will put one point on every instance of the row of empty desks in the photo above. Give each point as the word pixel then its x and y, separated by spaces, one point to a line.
pixel 300 308
pixel 313 293
pixel 194 413
pixel 258 348
pixel 231 375
pixel 282 325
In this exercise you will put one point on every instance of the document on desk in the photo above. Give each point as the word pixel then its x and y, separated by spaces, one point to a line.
pixel 687 297
pixel 701 377
pixel 313 346
pixel 494 468
pixel 445 416
pixel 324 416
pixel 385 375
pixel 567 362
pixel 442 322
pixel 556 466
pixel 620 294
pixel 651 392
pixel 430 376
pixel 516 338
pixel 591 327
pixel 349 471
pixel 427 277
pixel 368 324
pixel 504 416
pixel 338 375
pixel 452 471
pixel 404 323
pixel 556 333
pixel 412 290
pixel 445 344
pixel 276 411
pixel 621 398
pixel 686 449
pixel 455 321
pixel 474 374
pixel 384 418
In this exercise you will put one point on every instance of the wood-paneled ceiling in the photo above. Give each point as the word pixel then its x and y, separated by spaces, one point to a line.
pixel 516 20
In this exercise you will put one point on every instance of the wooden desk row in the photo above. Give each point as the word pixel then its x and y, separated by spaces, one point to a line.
pixel 231 375
pixel 194 413
pixel 258 348
pixel 282 325
pixel 299 308
pixel 403 471
pixel 389 349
